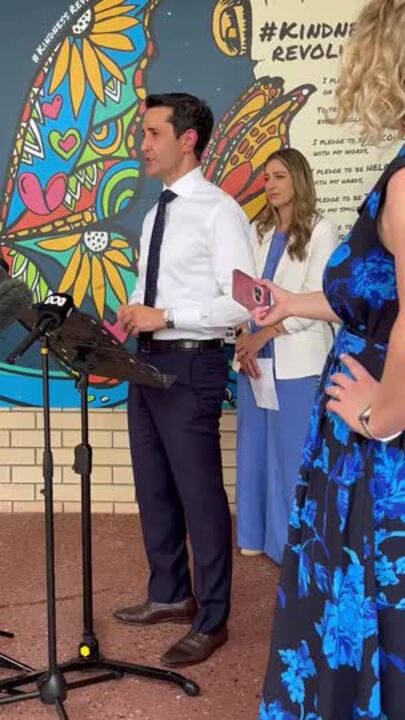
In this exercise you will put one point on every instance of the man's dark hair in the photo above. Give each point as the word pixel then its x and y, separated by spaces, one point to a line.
pixel 188 112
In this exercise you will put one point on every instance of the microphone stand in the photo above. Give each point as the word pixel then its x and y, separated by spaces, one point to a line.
pixel 52 685
pixel 5 660
pixel 38 331
pixel 8 662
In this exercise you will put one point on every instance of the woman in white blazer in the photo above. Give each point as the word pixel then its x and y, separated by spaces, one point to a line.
pixel 291 245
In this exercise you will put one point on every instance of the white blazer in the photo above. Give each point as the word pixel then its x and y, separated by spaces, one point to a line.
pixel 303 350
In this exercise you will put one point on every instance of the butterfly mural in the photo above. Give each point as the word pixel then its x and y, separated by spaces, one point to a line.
pixel 75 167
pixel 256 126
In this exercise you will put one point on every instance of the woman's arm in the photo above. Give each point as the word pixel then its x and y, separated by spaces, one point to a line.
pixel 388 410
pixel 248 345
pixel 300 309
pixel 351 396
pixel 314 306
pixel 285 304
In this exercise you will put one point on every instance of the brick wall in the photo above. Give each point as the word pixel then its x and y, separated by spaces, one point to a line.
pixel 21 443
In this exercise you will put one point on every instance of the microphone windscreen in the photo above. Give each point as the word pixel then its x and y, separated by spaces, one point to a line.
pixel 15 297
pixel 3 270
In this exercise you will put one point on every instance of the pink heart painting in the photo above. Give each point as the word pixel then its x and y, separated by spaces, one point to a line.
pixel 68 143
pixel 52 109
pixel 42 201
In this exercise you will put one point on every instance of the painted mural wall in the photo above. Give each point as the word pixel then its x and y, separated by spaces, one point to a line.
pixel 73 78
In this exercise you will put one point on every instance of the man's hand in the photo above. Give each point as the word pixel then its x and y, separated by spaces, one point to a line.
pixel 140 318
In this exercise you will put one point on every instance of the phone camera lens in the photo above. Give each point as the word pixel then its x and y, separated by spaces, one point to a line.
pixel 258 294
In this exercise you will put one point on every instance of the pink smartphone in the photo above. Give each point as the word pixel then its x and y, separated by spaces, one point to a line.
pixel 247 291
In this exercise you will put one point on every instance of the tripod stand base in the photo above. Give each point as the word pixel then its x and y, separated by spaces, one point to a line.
pixel 11 663
pixel 121 668
pixel 53 690
pixel 61 710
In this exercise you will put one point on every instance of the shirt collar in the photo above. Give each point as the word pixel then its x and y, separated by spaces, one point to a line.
pixel 185 185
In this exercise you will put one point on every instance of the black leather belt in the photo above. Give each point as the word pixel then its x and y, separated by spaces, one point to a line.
pixel 150 346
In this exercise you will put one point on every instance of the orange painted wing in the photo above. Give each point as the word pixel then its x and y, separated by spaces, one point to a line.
pixel 256 126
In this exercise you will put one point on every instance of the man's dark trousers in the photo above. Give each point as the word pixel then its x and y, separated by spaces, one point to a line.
pixel 175 446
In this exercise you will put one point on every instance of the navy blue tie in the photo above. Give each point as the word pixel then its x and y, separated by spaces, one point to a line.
pixel 152 268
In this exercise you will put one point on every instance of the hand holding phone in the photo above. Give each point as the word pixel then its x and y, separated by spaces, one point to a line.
pixel 248 292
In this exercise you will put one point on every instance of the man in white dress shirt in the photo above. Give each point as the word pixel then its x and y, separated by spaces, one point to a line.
pixel 180 309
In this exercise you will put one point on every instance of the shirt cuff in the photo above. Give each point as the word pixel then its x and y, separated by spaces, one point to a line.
pixel 187 318
pixel 134 298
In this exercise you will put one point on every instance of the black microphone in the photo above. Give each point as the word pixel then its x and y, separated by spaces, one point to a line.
pixel 54 311
pixel 15 297
pixel 51 314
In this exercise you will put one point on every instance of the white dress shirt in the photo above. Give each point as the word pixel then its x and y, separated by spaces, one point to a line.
pixel 303 350
pixel 206 236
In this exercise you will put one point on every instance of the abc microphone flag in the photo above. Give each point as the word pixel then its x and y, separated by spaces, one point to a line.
pixel 50 315
pixel 54 311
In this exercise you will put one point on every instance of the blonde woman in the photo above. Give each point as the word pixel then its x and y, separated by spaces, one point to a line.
pixel 338 647
pixel 291 243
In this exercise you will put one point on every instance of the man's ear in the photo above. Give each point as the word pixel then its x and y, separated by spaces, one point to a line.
pixel 189 139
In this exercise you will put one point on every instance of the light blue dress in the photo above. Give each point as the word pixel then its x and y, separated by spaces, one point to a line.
pixel 269 449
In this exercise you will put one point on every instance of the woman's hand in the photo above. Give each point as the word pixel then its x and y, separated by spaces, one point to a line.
pixel 247 346
pixel 280 305
pixel 352 395
pixel 250 367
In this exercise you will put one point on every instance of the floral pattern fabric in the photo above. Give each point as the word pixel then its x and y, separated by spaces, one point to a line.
pixel 338 648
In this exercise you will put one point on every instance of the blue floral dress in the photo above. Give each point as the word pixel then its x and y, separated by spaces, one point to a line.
pixel 338 647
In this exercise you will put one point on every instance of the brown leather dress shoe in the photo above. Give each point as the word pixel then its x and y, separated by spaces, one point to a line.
pixel 194 648
pixel 151 613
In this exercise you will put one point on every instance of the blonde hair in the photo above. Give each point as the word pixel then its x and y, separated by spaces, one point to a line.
pixel 304 208
pixel 371 89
